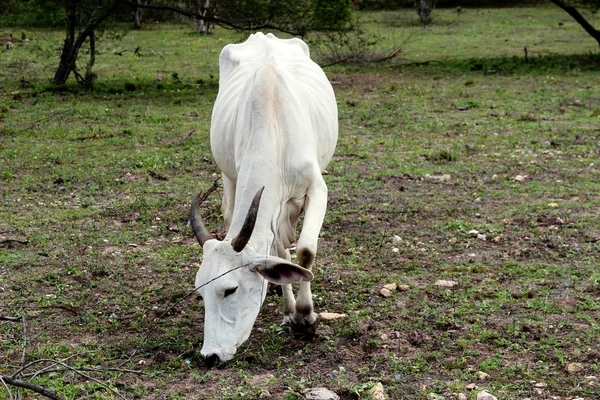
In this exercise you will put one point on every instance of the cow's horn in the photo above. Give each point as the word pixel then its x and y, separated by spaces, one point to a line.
pixel 200 231
pixel 241 240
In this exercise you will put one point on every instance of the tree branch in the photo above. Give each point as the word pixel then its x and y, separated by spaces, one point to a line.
pixel 213 19
pixel 572 11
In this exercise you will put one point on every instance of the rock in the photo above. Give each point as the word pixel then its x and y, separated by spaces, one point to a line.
pixel 438 178
pixel 497 239
pixel 481 236
pixel 519 178
pixel 391 286
pixel 377 392
pixel 403 288
pixel 383 337
pixel 483 395
pixel 574 367
pixel 327 316
pixel 444 283
pixel 386 293
pixel 264 395
pixel 461 396
pixel 319 394
pixel 591 380
pixel 395 250
pixel 397 239
pixel 433 396
pixel 471 386
pixel 553 205
pixel 540 385
pixel 473 233
pixel 482 376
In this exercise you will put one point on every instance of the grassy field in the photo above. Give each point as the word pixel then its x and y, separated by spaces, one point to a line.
pixel 456 134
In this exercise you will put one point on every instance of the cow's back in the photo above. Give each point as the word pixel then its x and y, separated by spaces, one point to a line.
pixel 303 100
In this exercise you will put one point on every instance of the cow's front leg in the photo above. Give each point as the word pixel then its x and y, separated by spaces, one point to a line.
pixel 305 320
pixel 228 200
pixel 289 302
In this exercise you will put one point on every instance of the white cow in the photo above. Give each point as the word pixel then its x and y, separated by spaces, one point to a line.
pixel 274 126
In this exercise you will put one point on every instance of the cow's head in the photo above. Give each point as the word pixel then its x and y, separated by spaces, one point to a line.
pixel 233 280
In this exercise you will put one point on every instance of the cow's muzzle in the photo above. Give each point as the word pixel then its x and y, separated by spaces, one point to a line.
pixel 210 359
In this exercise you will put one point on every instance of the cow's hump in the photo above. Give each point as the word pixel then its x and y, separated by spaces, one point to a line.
pixel 260 49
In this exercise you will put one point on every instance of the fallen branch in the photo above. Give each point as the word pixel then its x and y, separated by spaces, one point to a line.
pixel 21 319
pixel 49 370
pixel 68 367
pixel 7 380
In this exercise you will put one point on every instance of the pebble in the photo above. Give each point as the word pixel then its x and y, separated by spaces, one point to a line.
pixel 391 286
pixel 461 396
pixel 485 396
pixel 471 386
pixel 395 250
pixel 377 392
pixel 481 236
pixel 474 233
pixel 397 239
pixel 482 376
pixel 497 239
pixel 553 205
pixel 319 394
pixel 403 288
pixel 574 367
pixel 444 283
pixel 386 292
pixel 519 178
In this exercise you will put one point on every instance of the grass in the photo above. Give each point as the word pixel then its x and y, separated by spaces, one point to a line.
pixel 95 189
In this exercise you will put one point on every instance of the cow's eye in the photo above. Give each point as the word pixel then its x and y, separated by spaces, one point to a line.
pixel 230 291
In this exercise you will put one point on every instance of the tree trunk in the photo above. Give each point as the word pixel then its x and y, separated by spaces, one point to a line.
pixel 572 11
pixel 424 9
pixel 70 51
pixel 137 15
pixel 202 24
pixel 67 60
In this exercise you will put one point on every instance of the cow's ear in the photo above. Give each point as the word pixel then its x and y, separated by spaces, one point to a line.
pixel 280 271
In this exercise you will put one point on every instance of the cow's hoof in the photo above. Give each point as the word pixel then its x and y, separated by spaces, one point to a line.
pixel 287 320
pixel 303 329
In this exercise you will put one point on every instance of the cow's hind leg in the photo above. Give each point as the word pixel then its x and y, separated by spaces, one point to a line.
pixel 304 321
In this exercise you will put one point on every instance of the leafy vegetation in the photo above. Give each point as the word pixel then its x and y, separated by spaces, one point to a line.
pixel 460 134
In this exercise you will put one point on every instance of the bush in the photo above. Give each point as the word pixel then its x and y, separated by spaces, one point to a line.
pixel 33 13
